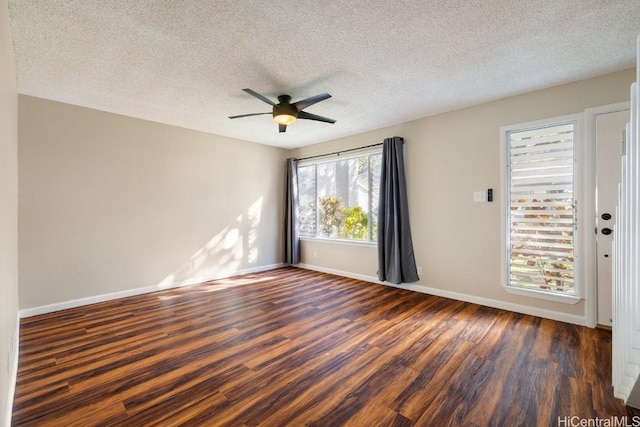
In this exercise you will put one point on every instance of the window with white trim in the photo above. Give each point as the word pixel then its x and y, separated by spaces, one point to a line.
pixel 540 208
pixel 338 198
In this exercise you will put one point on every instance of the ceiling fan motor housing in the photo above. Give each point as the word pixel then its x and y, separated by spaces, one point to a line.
pixel 284 107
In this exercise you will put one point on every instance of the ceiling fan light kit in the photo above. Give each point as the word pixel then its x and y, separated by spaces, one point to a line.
pixel 285 119
pixel 285 113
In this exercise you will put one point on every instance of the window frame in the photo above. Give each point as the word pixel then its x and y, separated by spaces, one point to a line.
pixel 332 159
pixel 578 195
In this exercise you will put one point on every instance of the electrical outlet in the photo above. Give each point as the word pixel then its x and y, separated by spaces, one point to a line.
pixel 419 271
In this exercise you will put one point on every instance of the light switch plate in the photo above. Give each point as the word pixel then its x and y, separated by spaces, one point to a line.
pixel 479 196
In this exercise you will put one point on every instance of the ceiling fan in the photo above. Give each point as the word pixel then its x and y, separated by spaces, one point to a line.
pixel 285 113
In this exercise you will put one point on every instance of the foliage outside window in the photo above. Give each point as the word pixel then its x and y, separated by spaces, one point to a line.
pixel 338 199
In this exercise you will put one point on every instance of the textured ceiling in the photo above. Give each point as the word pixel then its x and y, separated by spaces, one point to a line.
pixel 185 62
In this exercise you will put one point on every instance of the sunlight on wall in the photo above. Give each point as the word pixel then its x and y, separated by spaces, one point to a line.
pixel 219 285
pixel 233 249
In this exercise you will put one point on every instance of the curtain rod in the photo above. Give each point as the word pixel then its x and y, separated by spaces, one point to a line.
pixel 337 153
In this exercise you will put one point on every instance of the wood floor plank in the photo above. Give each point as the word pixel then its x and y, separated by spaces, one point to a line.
pixel 305 397
pixel 444 403
pixel 451 361
pixel 296 347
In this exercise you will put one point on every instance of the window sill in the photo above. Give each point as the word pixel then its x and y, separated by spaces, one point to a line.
pixel 340 242
pixel 566 299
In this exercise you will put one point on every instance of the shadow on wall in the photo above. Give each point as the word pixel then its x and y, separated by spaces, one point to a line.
pixel 233 250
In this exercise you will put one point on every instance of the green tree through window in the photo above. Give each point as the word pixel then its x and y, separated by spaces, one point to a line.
pixel 338 198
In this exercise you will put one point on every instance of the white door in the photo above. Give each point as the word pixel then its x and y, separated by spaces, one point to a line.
pixel 609 129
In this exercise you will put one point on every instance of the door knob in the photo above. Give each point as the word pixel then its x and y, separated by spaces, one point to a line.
pixel 606 216
pixel 607 231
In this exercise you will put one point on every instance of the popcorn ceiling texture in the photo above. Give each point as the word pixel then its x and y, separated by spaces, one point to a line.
pixel 384 62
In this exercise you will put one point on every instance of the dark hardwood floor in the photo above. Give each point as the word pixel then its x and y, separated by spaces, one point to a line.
pixel 295 347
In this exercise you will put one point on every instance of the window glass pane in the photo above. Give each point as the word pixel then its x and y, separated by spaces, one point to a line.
pixel 541 209
pixel 376 167
pixel 329 204
pixel 307 200
pixel 338 197
pixel 354 184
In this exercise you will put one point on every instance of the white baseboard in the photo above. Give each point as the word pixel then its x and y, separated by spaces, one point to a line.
pixel 488 302
pixel 13 371
pixel 518 308
pixel 34 311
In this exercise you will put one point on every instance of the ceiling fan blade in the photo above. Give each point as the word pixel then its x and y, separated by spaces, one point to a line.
pixel 309 116
pixel 247 115
pixel 282 128
pixel 301 105
pixel 260 97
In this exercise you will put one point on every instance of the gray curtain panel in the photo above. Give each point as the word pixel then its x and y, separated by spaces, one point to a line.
pixel 291 236
pixel 396 260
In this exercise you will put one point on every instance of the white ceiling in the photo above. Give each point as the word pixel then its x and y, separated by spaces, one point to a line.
pixel 185 62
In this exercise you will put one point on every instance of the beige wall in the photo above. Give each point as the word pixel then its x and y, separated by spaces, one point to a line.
pixel 110 203
pixel 8 215
pixel 449 156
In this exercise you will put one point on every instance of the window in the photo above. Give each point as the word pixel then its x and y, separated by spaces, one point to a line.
pixel 338 199
pixel 540 209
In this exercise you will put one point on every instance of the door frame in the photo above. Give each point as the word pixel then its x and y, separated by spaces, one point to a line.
pixel 589 197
